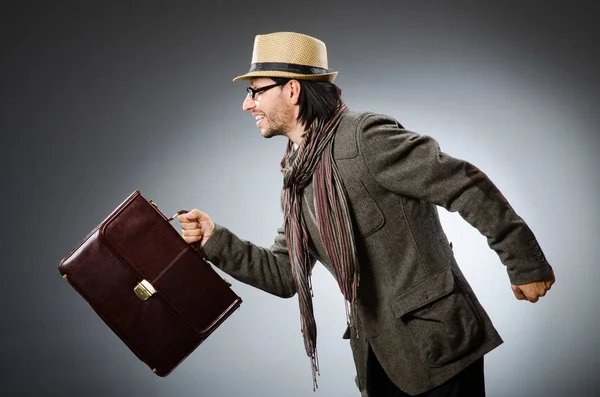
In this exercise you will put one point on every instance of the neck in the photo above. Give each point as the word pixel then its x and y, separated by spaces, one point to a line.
pixel 297 133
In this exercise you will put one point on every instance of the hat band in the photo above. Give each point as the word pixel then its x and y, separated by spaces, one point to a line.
pixel 286 67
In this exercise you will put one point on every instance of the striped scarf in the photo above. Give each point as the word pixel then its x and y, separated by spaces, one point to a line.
pixel 314 159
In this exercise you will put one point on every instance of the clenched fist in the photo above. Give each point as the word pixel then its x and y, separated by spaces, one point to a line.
pixel 534 291
pixel 196 226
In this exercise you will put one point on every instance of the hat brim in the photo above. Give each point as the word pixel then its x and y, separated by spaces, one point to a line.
pixel 288 75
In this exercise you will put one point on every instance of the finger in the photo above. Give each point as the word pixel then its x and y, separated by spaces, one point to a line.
pixel 550 282
pixel 193 232
pixel 190 225
pixel 189 216
pixel 184 219
pixel 192 239
pixel 194 214
pixel 518 293
pixel 531 294
pixel 544 288
pixel 190 235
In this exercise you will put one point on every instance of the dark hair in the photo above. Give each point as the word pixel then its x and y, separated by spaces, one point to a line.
pixel 318 99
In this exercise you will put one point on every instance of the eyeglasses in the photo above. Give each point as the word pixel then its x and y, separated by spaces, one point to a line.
pixel 253 91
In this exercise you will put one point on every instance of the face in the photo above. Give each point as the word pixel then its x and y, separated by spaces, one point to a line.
pixel 272 112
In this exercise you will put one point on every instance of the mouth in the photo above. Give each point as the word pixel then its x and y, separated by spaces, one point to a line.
pixel 259 119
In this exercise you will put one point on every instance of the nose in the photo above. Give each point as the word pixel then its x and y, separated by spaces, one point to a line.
pixel 248 104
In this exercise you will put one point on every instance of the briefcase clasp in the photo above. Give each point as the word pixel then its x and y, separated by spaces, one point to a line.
pixel 144 290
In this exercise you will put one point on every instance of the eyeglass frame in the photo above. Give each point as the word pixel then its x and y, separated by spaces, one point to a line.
pixel 254 91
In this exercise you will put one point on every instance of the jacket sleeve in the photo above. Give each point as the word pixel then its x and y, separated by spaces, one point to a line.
pixel 412 165
pixel 266 269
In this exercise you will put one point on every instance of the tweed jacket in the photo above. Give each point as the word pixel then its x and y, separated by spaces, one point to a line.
pixel 415 308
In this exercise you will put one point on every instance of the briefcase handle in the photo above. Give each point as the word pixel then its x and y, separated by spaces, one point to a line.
pixel 195 246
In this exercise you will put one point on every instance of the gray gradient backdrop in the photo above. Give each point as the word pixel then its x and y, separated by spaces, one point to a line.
pixel 99 99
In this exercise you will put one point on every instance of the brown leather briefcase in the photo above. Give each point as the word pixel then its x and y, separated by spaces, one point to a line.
pixel 156 292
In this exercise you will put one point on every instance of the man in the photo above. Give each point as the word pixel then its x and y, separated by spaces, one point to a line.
pixel 359 195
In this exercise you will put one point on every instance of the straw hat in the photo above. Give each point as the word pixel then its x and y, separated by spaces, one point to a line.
pixel 289 55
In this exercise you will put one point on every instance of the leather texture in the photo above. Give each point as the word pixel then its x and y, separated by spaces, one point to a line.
pixel 136 242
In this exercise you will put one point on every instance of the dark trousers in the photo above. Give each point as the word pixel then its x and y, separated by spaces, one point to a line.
pixel 467 383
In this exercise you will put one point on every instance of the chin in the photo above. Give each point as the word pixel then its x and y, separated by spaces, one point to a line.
pixel 267 133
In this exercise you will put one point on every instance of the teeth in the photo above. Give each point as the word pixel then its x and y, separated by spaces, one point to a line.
pixel 259 118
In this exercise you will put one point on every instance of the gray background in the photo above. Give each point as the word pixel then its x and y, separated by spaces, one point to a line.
pixel 99 99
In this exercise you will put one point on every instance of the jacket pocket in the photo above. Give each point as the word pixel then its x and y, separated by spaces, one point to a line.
pixel 440 318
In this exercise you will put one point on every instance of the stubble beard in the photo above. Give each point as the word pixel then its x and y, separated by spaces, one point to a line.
pixel 274 131
pixel 276 125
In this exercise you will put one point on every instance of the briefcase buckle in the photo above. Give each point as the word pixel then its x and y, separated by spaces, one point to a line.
pixel 144 290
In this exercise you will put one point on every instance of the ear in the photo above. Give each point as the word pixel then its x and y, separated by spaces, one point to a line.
pixel 294 92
